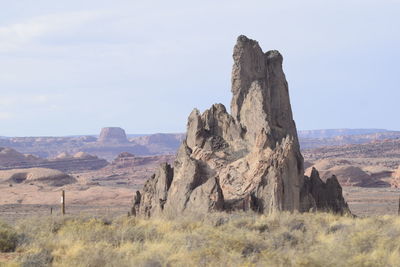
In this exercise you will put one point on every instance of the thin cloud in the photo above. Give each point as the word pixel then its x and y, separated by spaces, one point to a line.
pixel 15 101
pixel 18 35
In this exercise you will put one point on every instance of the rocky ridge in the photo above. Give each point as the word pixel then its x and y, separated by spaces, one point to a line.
pixel 46 176
pixel 247 160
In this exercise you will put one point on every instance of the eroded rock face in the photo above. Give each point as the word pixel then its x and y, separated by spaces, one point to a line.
pixel 112 135
pixel 249 159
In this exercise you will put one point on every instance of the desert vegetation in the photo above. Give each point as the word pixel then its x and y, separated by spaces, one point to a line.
pixel 216 239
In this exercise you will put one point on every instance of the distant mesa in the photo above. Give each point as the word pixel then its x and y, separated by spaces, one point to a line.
pixel 113 135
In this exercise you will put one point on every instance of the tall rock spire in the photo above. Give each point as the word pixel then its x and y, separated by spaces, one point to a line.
pixel 249 159
pixel 260 91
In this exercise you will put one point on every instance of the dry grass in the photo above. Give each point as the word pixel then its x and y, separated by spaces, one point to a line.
pixel 240 239
pixel 8 238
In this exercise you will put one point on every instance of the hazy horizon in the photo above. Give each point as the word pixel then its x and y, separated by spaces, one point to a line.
pixel 130 135
pixel 73 69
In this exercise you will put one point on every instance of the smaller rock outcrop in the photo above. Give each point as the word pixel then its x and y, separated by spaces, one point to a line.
pixel 113 135
pixel 322 196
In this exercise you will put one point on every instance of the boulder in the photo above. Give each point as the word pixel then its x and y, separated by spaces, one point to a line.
pixel 249 159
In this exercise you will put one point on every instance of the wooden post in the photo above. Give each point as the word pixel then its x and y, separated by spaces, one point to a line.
pixel 63 202
pixel 51 210
pixel 398 211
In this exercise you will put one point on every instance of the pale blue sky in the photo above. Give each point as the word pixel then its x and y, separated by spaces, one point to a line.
pixel 72 67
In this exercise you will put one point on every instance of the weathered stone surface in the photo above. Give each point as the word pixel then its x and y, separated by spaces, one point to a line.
pixel 113 135
pixel 248 160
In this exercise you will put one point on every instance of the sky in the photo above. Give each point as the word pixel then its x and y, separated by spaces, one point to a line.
pixel 73 67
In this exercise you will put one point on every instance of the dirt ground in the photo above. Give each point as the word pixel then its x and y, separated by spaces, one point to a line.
pixel 362 202
pixel 25 200
pixel 372 201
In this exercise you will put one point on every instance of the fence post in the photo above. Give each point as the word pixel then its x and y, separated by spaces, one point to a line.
pixel 398 211
pixel 63 202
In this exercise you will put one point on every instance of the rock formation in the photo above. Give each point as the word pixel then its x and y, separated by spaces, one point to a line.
pixel 249 159
pixel 112 135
